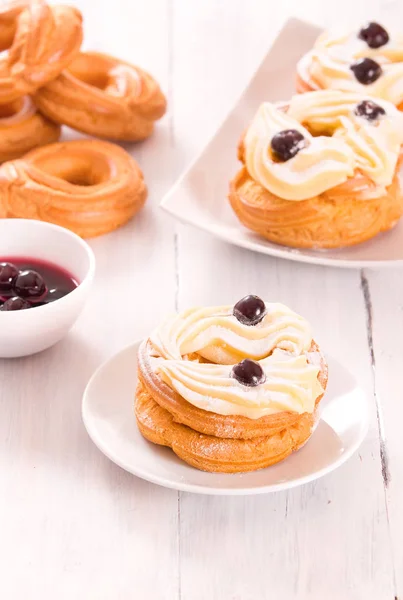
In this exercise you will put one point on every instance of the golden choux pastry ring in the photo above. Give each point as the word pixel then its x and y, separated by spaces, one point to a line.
pixel 89 186
pixel 23 128
pixel 36 42
pixel 105 97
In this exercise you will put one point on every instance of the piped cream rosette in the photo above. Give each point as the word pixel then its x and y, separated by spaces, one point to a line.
pixel 279 343
pixel 192 356
pixel 339 142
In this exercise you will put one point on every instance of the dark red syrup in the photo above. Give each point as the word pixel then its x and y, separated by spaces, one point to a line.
pixel 30 282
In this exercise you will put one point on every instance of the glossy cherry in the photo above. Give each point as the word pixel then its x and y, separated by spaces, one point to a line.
pixel 248 372
pixel 374 34
pixel 370 110
pixel 286 144
pixel 15 303
pixel 250 310
pixel 8 274
pixel 30 284
pixel 366 70
pixel 37 281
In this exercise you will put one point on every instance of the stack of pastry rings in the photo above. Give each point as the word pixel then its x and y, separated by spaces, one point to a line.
pixel 214 442
pixel 45 82
pixel 89 91
pixel 26 63
pixel 37 42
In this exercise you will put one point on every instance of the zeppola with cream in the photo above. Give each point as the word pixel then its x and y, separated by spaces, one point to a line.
pixel 321 171
pixel 247 377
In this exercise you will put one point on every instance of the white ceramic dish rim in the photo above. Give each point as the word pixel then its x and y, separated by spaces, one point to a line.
pixel 90 271
pixel 200 489
pixel 284 252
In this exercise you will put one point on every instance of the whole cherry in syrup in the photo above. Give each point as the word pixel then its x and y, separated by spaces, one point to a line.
pixel 374 34
pixel 366 70
pixel 248 372
pixel 15 303
pixel 27 283
pixel 370 110
pixel 250 310
pixel 8 274
pixel 287 143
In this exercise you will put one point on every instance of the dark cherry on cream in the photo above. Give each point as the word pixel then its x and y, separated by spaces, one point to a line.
pixel 366 70
pixel 370 110
pixel 27 283
pixel 286 144
pixel 250 310
pixel 374 34
pixel 248 372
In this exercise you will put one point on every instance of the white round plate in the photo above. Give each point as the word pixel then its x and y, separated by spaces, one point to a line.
pixel 108 414
pixel 199 198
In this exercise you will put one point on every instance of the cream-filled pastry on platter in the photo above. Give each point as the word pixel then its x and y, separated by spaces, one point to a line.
pixel 321 171
pixel 230 388
pixel 366 61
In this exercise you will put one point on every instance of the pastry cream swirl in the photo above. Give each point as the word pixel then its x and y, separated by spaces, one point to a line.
pixel 324 163
pixel 328 65
pixel 376 145
pixel 280 342
pixel 356 144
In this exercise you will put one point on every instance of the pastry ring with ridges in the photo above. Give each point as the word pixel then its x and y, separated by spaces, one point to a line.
pixel 321 171
pixel 193 394
pixel 23 128
pixel 89 186
pixel 9 12
pixel 37 43
pixel 105 97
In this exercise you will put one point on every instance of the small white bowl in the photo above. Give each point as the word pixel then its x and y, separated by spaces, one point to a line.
pixel 33 330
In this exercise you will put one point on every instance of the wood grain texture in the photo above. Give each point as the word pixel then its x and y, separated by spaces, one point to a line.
pixel 330 539
pixel 72 524
pixel 385 320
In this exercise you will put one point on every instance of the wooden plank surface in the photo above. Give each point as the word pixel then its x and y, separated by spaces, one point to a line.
pixel 72 524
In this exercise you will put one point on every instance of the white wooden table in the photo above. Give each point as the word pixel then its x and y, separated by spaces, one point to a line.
pixel 75 526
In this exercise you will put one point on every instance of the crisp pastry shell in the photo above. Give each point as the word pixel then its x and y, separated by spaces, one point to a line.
pixel 209 453
pixel 105 97
pixel 24 129
pixel 37 42
pixel 89 186
pixel 210 423
pixel 334 219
